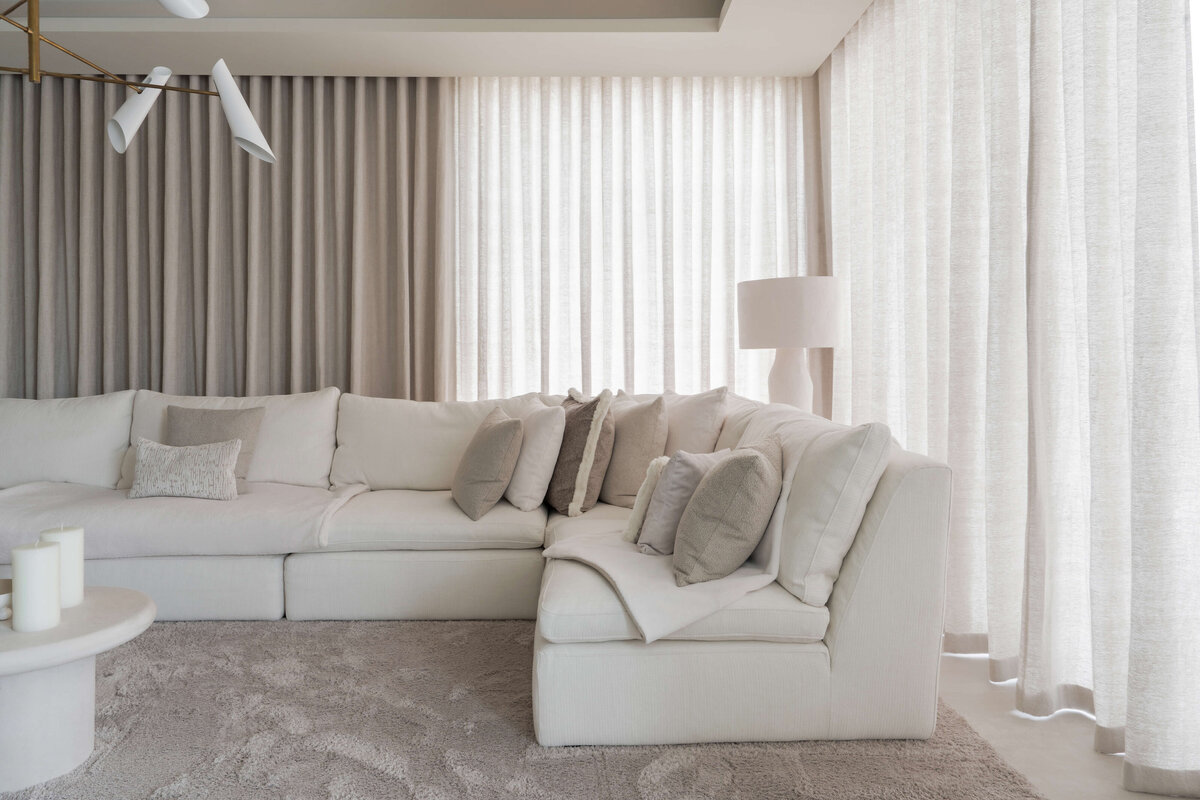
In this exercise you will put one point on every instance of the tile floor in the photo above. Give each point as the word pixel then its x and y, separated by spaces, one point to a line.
pixel 1054 753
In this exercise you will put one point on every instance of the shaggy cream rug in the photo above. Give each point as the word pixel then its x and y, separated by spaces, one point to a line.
pixel 435 710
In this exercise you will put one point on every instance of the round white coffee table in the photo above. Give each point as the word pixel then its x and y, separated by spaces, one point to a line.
pixel 48 684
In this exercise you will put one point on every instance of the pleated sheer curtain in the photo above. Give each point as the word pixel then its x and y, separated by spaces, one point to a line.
pixel 604 224
pixel 189 267
pixel 1014 209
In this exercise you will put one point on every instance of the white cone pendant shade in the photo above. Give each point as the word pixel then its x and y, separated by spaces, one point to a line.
pixel 245 129
pixel 188 9
pixel 129 117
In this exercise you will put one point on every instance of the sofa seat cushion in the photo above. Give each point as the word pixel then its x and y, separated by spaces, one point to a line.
pixel 578 604
pixel 266 519
pixel 602 518
pixel 406 519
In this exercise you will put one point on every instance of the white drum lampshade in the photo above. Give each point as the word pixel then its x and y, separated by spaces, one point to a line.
pixel 129 117
pixel 245 128
pixel 789 315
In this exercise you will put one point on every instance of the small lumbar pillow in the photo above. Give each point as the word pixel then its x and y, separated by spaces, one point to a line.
pixel 678 481
pixel 727 515
pixel 192 426
pixel 640 436
pixel 583 459
pixel 633 526
pixel 487 466
pixel 540 444
pixel 204 471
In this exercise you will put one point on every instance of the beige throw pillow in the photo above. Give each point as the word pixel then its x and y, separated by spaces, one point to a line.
pixel 728 513
pixel 583 458
pixel 693 420
pixel 633 526
pixel 640 437
pixel 192 426
pixel 205 471
pixel 674 489
pixel 487 465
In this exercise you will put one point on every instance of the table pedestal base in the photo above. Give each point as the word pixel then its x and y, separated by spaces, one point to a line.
pixel 47 722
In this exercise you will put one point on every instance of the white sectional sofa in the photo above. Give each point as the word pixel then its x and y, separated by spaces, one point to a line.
pixel 346 514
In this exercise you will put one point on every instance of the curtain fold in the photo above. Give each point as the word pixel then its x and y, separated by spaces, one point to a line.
pixel 1013 204
pixel 187 266
pixel 604 224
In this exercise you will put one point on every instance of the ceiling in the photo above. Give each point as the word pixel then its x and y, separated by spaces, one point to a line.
pixel 447 37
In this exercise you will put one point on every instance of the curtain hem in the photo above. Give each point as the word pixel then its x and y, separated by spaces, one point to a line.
pixel 1156 780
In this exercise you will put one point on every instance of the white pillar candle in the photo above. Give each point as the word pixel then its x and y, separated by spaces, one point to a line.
pixel 70 571
pixel 35 587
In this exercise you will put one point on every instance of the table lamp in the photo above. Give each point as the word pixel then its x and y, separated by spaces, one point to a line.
pixel 789 315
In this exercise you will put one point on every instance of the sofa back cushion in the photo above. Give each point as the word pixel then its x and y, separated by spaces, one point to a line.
pixel 834 470
pixel 295 440
pixel 72 440
pixel 738 412
pixel 406 444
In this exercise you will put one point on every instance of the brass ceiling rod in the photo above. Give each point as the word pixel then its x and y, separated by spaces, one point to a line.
pixel 119 81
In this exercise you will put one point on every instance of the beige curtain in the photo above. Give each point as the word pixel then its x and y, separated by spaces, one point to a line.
pixel 187 266
pixel 604 224
pixel 1014 208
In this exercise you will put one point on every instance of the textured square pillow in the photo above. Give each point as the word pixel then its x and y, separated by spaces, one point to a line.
pixel 693 420
pixel 728 513
pixel 633 526
pixel 583 458
pixel 191 426
pixel 540 444
pixel 678 481
pixel 205 471
pixel 487 466
pixel 640 436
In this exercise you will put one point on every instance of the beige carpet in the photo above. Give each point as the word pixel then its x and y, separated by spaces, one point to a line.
pixel 435 710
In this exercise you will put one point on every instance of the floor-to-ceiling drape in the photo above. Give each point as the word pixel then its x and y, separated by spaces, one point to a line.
pixel 605 222
pixel 187 266
pixel 1014 208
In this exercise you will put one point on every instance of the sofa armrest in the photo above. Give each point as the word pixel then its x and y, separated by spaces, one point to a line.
pixel 887 607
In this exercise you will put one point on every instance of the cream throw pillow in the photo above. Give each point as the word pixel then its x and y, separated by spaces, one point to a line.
pixel 204 471
pixel 678 481
pixel 835 479
pixel 540 444
pixel 583 458
pixel 633 526
pixel 487 465
pixel 728 513
pixel 640 436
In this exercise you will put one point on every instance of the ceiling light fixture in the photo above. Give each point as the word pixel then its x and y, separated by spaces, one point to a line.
pixel 188 9
pixel 125 123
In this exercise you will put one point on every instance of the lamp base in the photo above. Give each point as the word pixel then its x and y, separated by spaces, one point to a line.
pixel 789 381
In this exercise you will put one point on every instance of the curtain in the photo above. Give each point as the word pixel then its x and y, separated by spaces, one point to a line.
pixel 604 224
pixel 189 267
pixel 1014 209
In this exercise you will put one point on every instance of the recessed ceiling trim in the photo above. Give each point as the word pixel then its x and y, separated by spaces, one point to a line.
pixel 209 25
pixel 400 38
